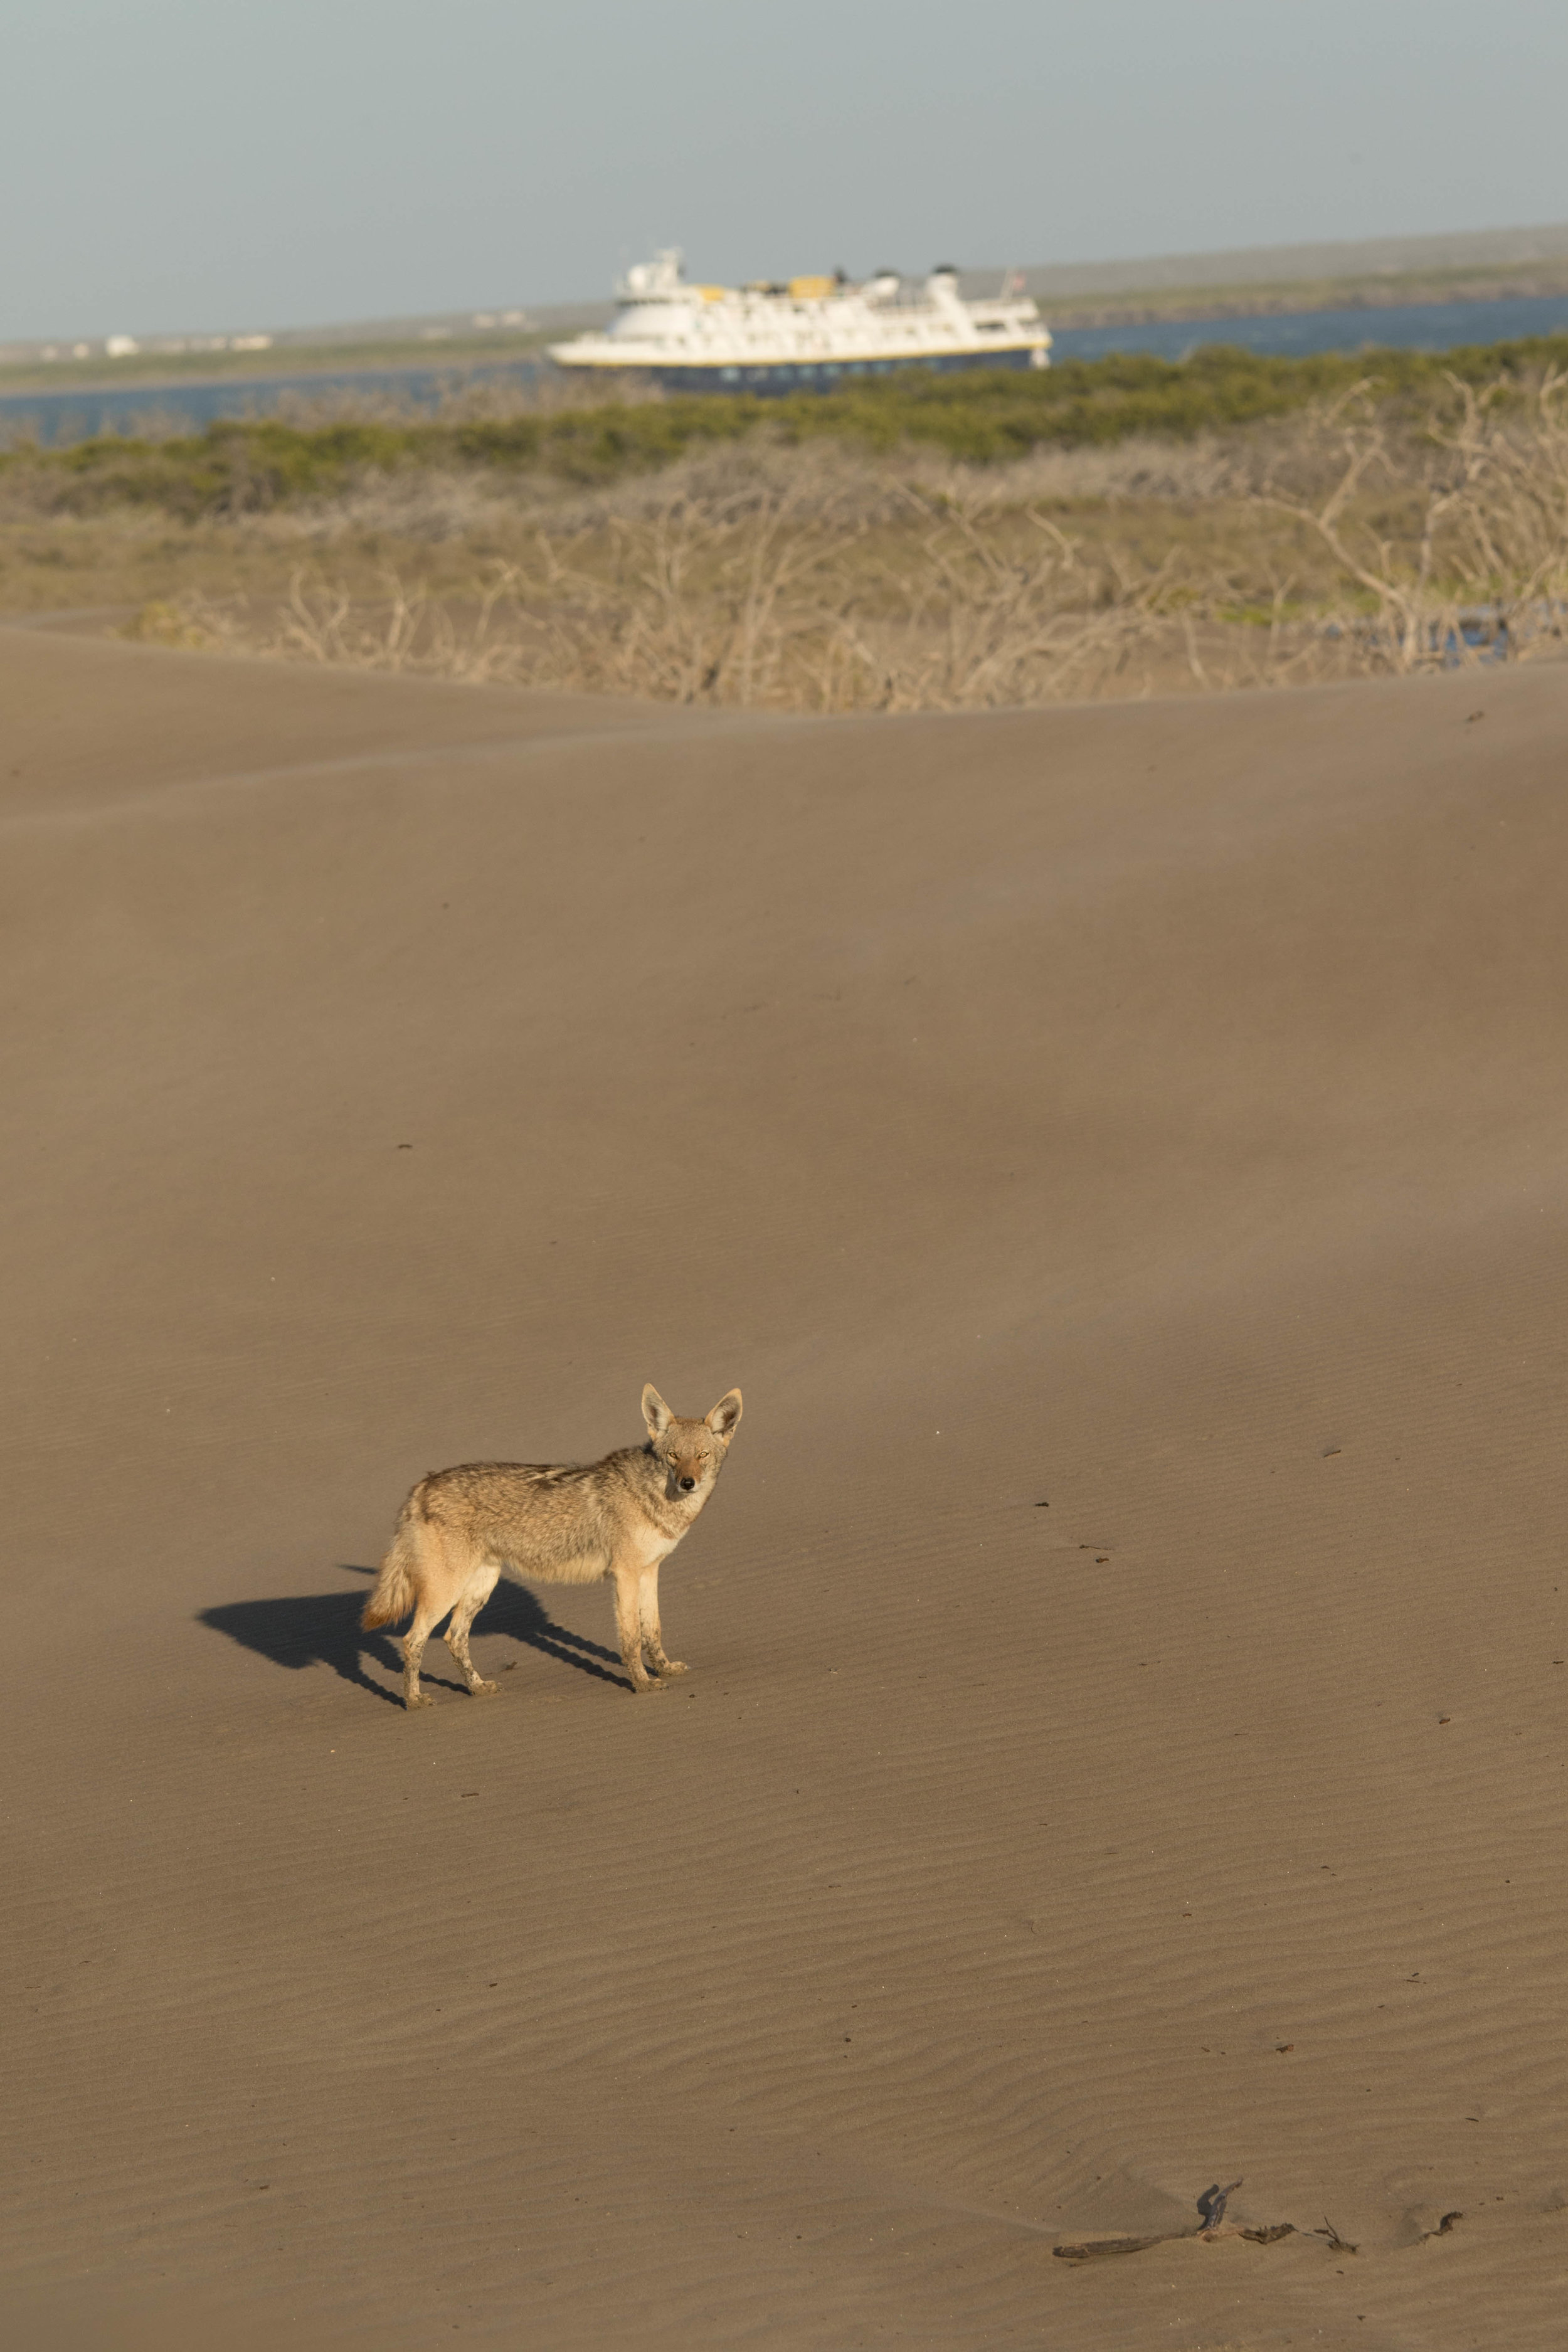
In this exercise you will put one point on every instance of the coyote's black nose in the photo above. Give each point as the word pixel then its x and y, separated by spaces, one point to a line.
pixel 687 1484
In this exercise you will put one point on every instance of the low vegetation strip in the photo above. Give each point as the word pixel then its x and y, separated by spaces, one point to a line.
pixel 791 579
pixel 984 418
pixel 843 554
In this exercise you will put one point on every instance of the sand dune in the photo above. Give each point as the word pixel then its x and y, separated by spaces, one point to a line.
pixel 1119 1151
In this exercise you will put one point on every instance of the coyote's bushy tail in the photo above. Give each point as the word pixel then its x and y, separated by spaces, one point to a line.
pixel 393 1596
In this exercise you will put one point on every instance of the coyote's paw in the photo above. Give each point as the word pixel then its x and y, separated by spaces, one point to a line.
pixel 418 1699
pixel 484 1690
pixel 671 1666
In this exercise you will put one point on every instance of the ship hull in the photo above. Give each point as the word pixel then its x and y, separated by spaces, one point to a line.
pixel 776 377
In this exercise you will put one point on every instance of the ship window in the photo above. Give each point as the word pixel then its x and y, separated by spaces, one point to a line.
pixel 731 375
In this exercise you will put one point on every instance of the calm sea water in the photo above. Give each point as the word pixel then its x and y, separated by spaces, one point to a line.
pixel 63 416
pixel 1404 327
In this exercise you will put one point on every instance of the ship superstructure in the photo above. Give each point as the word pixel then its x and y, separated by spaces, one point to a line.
pixel 808 334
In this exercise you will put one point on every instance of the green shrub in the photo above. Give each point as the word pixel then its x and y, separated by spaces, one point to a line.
pixel 981 418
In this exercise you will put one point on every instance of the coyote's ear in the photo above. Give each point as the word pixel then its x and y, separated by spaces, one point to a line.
pixel 655 1411
pixel 725 1414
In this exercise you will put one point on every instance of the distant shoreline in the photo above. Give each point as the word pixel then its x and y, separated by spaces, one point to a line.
pixel 1460 309
pixel 1291 298
pixel 1139 306
pixel 154 372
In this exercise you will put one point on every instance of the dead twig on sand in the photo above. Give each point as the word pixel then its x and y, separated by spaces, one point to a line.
pixel 1212 2205
pixel 1212 2224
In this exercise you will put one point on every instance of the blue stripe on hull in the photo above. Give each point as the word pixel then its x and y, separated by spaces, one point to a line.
pixel 823 375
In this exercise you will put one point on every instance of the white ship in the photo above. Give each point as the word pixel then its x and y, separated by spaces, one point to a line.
pixel 806 335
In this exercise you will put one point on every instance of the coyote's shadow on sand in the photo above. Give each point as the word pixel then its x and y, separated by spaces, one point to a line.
pixel 324 1628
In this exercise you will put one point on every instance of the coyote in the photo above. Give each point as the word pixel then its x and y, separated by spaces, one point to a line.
pixel 459 1528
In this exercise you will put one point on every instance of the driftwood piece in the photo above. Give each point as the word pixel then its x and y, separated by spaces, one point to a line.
pixel 1213 2224
pixel 1212 2205
pixel 1090 2247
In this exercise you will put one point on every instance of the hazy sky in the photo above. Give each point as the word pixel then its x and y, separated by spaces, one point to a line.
pixel 226 164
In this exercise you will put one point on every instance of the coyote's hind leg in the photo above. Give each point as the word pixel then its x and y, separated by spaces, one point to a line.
pixel 463 1616
pixel 414 1641
pixel 652 1639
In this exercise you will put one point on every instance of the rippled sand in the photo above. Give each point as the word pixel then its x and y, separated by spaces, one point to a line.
pixel 1119 1151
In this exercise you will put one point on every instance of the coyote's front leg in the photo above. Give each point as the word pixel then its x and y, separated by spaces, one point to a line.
pixel 652 1640
pixel 629 1628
